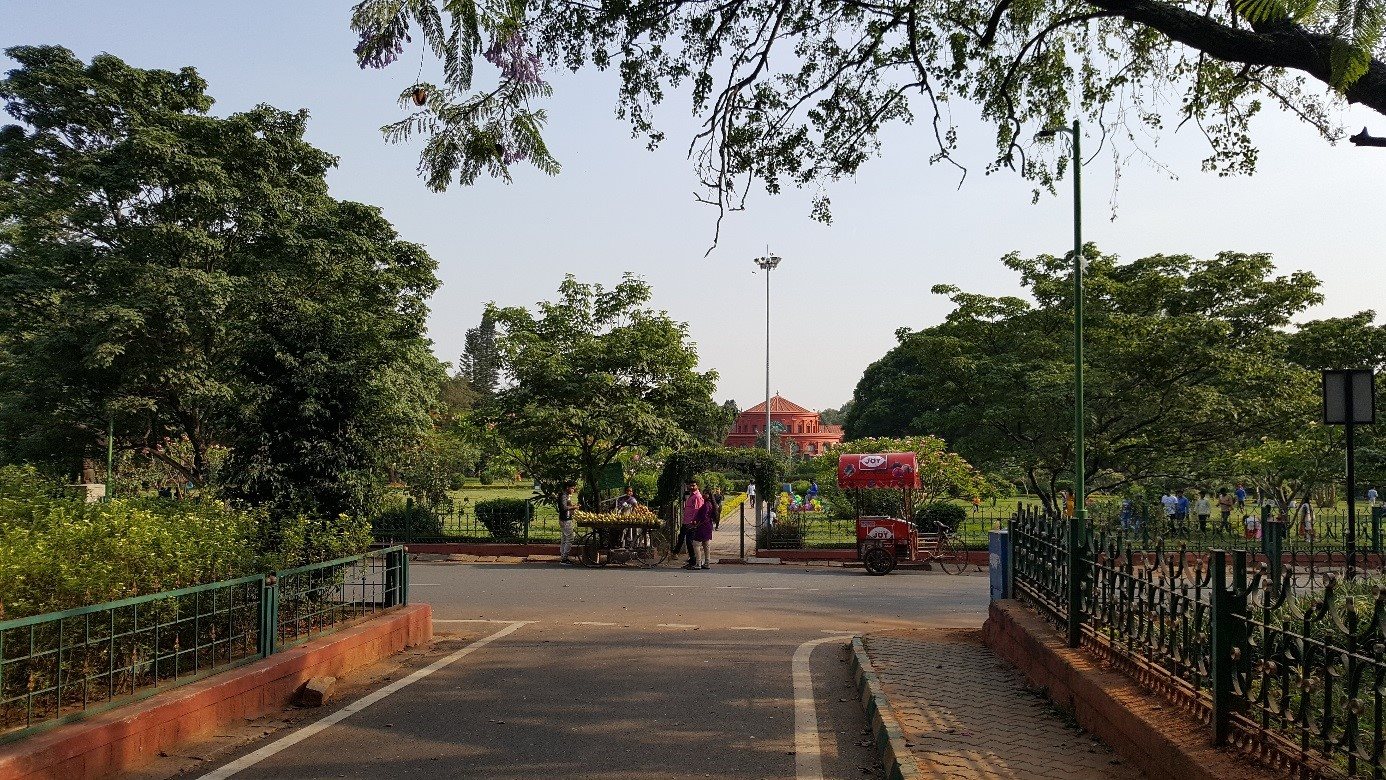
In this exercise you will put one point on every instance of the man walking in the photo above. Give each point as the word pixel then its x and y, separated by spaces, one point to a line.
pixel 567 504
pixel 1371 496
pixel 1241 497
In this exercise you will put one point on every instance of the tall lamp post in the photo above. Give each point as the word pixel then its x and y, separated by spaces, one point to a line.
pixel 1078 523
pixel 767 264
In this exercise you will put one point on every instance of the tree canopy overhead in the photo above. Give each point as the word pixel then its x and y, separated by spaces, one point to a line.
pixel 798 91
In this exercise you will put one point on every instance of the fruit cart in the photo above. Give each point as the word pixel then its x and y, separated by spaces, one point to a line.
pixel 883 541
pixel 635 536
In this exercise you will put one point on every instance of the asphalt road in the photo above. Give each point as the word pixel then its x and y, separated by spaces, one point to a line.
pixel 620 673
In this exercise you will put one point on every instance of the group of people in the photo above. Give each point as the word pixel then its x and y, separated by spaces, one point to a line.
pixel 701 516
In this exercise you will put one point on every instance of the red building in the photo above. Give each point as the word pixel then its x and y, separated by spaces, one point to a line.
pixel 798 429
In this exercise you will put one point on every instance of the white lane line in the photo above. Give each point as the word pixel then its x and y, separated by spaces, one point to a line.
pixel 478 620
pixel 677 625
pixel 751 628
pixel 841 630
pixel 289 740
pixel 593 623
pixel 808 753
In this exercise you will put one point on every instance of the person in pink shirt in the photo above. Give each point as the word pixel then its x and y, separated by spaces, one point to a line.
pixel 692 507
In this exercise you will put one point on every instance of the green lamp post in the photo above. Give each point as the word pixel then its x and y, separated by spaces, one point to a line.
pixel 1077 528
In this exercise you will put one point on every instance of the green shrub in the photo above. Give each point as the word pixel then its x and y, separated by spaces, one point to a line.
pixel 950 515
pixel 57 552
pixel 645 484
pixel 504 518
pixel 403 520
pixel 872 502
pixel 800 486
pixel 709 481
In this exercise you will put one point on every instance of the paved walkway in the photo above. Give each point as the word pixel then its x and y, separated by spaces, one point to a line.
pixel 967 714
pixel 725 540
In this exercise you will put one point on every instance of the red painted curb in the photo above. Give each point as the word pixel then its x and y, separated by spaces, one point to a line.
pixel 128 737
pixel 459 548
pixel 974 557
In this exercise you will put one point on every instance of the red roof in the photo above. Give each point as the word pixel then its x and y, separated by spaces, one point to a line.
pixel 831 430
pixel 779 403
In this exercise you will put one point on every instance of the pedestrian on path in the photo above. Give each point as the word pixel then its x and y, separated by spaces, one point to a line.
pixel 716 501
pixel 702 533
pixel 1204 509
pixel 1371 496
pixel 567 503
pixel 692 505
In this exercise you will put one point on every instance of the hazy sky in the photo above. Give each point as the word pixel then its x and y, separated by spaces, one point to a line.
pixel 842 290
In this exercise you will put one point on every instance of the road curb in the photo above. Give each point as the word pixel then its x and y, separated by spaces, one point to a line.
pixel 890 739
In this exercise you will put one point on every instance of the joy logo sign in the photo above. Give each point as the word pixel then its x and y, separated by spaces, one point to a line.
pixel 872 461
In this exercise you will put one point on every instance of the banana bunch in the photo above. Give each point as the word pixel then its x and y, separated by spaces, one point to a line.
pixel 640 517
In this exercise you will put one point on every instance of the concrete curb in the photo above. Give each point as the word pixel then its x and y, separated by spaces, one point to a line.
pixel 890 739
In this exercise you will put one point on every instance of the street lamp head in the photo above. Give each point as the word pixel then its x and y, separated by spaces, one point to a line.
pixel 768 262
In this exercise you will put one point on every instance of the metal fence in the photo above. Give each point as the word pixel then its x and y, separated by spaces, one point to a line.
pixel 61 666
pixel 816 530
pixel 1285 666
pixel 469 522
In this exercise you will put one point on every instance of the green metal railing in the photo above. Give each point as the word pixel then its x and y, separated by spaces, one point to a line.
pixel 1290 668
pixel 59 667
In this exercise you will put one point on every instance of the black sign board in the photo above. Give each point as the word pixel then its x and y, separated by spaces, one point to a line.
pixel 1344 388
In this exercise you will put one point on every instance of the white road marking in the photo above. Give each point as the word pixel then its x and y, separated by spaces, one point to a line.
pixel 289 740
pixel 593 623
pixel 751 628
pixel 808 753
pixel 842 630
pixel 677 625
pixel 479 620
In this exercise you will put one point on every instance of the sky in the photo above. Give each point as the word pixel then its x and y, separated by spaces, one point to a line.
pixel 841 291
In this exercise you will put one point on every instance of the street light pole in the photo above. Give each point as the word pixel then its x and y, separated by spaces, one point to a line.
pixel 768 264
pixel 1077 527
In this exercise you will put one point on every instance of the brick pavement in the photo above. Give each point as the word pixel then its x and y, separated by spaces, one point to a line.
pixel 967 714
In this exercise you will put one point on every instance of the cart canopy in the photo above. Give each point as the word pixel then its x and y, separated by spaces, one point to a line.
pixel 878 470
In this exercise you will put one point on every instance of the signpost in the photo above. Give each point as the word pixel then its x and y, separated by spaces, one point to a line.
pixel 1349 400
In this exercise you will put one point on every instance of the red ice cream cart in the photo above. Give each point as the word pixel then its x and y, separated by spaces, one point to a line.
pixel 883 541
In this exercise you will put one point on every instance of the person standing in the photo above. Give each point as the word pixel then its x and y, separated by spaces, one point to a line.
pixel 1181 511
pixel 1241 497
pixel 1371 496
pixel 1171 505
pixel 1225 504
pixel 692 506
pixel 567 504
pixel 1203 508
pixel 716 500
pixel 976 504
pixel 702 533
pixel 627 502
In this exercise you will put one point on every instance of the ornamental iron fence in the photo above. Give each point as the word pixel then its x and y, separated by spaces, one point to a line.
pixel 1286 665
pixel 62 666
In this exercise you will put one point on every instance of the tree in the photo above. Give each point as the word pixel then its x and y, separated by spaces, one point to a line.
pixel 594 373
pixel 835 416
pixel 798 91
pixel 1184 359
pixel 189 279
pixel 480 362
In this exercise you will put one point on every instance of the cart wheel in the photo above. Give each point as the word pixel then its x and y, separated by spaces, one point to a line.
pixel 878 561
pixel 952 558
pixel 592 552
pixel 651 548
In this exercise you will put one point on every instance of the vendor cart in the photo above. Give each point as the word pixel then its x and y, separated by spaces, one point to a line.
pixel 884 541
pixel 633 537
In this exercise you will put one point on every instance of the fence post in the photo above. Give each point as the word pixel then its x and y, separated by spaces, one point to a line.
pixel 269 614
pixel 1228 636
pixel 404 576
pixel 743 530
pixel 1075 582
pixel 1377 512
pixel 529 515
pixel 1272 544
pixel 392 580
